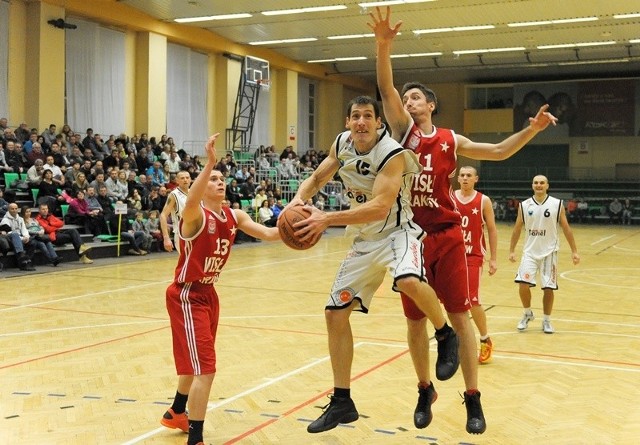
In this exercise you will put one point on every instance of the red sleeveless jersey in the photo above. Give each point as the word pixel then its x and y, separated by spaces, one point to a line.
pixel 203 255
pixel 431 195
pixel 472 228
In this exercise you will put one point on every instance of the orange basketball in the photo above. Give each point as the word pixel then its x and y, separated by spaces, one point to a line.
pixel 286 220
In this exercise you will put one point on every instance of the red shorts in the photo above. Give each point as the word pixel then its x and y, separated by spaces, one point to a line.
pixel 446 266
pixel 475 272
pixel 193 311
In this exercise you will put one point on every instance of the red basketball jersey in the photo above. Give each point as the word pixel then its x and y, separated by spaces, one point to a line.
pixel 431 195
pixel 203 255
pixel 472 227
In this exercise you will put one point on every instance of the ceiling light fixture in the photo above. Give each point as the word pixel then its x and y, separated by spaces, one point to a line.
pixel 487 50
pixel 593 62
pixel 337 59
pixel 391 3
pixel 551 22
pixel 626 16
pixel 351 36
pixel 304 10
pixel 277 42
pixel 213 17
pixel 454 29
pixel 577 45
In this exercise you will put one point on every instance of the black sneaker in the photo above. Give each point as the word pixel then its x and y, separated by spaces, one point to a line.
pixel 475 418
pixel 448 361
pixel 339 410
pixel 422 415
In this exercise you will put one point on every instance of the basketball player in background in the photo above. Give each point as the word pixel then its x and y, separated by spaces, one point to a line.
pixel 173 208
pixel 377 173
pixel 206 232
pixel 476 212
pixel 540 216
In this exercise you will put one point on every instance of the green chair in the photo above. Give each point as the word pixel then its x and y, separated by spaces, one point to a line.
pixel 64 208
pixel 34 193
pixel 24 176
pixel 9 178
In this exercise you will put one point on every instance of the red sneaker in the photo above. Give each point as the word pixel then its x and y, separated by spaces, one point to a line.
pixel 173 420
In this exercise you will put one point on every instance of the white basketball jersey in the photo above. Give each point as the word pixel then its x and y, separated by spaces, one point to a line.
pixel 359 171
pixel 180 199
pixel 541 226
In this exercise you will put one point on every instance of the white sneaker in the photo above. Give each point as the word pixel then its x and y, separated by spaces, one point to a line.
pixel 526 318
pixel 547 328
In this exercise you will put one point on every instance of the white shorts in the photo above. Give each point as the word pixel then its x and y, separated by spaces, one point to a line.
pixel 363 269
pixel 547 266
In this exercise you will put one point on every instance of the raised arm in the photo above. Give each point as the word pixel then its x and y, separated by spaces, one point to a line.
pixel 192 214
pixel 396 116
pixel 509 146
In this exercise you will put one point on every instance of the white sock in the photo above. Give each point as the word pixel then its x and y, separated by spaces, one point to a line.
pixel 528 311
pixel 546 317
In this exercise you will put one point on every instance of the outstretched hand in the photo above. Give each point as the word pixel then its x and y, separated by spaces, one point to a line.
pixel 381 26
pixel 210 149
pixel 542 119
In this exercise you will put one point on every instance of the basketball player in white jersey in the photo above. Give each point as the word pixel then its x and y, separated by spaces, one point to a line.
pixel 377 172
pixel 540 215
pixel 173 207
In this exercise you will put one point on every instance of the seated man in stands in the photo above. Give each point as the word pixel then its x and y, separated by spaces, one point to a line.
pixel 54 228
pixel 13 226
pixel 582 210
pixel 615 211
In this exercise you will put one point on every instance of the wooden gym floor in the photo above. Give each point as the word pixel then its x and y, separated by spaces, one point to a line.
pixel 86 354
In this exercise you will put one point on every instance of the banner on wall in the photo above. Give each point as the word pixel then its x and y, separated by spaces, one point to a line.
pixel 587 108
pixel 605 108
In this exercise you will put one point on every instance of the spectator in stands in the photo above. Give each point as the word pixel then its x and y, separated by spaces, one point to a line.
pixel 59 236
pixel 58 176
pixel 98 180
pixel 248 189
pixel 277 207
pixel 117 186
pixel 22 133
pixel 34 174
pixel 512 208
pixel 71 174
pixel 265 215
pixel 152 227
pixel 582 210
pixel 76 156
pixel 285 153
pixel 233 192
pixel 40 240
pixel 615 211
pixel 4 205
pixel 261 196
pixel 48 191
pixel 146 184
pixel 49 135
pixel 627 212
pixel 27 147
pixel 4 166
pixel 58 159
pixel 14 156
pixel 152 201
pixel 4 124
pixel 242 175
pixel 134 201
pixel 343 200
pixel 156 173
pixel 572 207
pixel 135 238
pixel 80 184
pixel 36 153
pixel 113 160
pixel 81 213
pixel 12 225
pixel 96 146
pixel 173 163
pixel 138 225
pixel 263 162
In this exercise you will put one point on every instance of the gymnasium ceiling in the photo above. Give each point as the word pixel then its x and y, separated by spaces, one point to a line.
pixel 603 46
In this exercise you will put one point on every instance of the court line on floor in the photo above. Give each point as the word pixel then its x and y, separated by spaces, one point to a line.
pixel 602 239
pixel 72 328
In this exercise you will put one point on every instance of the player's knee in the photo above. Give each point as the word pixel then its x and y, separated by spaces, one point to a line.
pixel 409 285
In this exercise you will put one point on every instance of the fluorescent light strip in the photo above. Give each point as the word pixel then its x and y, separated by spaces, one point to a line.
pixel 351 36
pixel 551 22
pixel 492 50
pixel 456 28
pixel 577 45
pixel 626 16
pixel 304 10
pixel 391 3
pixel 634 41
pixel 213 17
pixel 337 59
pixel 593 62
pixel 277 42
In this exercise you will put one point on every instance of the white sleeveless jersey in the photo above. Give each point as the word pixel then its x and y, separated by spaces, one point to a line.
pixel 541 226
pixel 180 198
pixel 359 171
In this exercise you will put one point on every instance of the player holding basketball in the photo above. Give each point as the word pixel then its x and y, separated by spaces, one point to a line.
pixel 173 208
pixel 477 213
pixel 206 233
pixel 377 172
pixel 410 118
pixel 540 215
